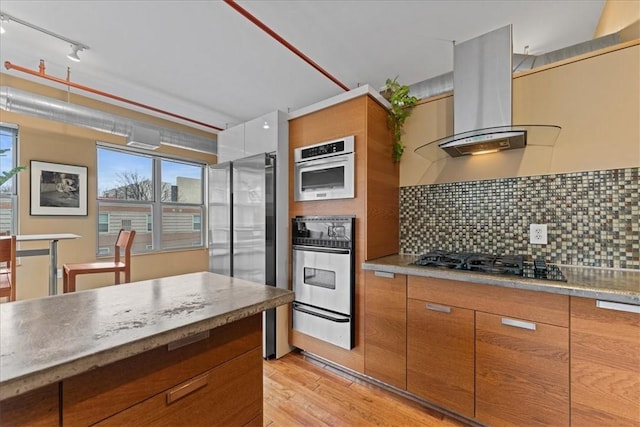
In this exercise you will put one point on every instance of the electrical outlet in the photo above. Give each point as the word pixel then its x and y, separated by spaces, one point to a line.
pixel 59 273
pixel 538 234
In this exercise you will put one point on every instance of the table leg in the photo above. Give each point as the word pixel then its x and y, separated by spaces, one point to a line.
pixel 53 267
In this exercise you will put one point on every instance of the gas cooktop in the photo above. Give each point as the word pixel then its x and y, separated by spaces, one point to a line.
pixel 514 265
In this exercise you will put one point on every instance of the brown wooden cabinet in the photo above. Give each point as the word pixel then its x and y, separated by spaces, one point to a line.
pixel 520 376
pixel 385 327
pixel 375 205
pixel 440 354
pixel 37 408
pixel 191 382
pixel 208 399
pixel 522 372
pixel 605 363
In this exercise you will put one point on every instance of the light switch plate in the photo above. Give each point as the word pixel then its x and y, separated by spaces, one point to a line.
pixel 538 234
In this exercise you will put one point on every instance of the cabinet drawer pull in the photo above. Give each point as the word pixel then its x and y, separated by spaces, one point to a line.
pixel 187 340
pixel 384 274
pixel 183 390
pixel 519 324
pixel 619 306
pixel 440 308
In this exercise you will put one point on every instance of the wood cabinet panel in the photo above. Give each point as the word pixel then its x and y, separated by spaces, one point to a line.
pixel 37 408
pixel 385 328
pixel 377 218
pixel 522 304
pixel 522 376
pixel 383 186
pixel 210 399
pixel 95 395
pixel 440 355
pixel 605 365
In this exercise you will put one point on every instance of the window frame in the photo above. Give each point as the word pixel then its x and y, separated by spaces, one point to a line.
pixel 156 204
pixel 12 196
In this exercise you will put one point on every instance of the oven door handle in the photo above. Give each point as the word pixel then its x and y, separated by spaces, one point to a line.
pixel 320 249
pixel 319 313
pixel 332 160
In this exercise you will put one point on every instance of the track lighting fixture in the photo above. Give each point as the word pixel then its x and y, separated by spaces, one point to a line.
pixel 2 21
pixel 75 45
pixel 73 55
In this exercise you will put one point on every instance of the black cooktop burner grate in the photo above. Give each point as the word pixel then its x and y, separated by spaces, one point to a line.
pixel 517 265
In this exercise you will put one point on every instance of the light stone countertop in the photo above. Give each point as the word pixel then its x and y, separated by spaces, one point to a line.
pixel 45 340
pixel 590 282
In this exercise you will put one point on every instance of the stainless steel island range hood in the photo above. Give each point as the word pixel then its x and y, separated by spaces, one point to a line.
pixel 482 94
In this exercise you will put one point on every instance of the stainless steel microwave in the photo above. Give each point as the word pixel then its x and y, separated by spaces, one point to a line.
pixel 325 171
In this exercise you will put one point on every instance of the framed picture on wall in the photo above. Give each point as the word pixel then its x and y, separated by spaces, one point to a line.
pixel 58 189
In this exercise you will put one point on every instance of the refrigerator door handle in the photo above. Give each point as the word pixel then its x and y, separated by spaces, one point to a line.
pixel 320 313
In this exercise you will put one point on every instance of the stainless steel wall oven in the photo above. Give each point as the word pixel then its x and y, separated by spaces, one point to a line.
pixel 325 171
pixel 323 278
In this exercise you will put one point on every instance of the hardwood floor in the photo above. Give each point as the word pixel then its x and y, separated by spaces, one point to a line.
pixel 300 391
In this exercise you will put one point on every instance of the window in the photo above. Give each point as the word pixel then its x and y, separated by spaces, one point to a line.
pixel 103 223
pixel 8 189
pixel 182 200
pixel 156 196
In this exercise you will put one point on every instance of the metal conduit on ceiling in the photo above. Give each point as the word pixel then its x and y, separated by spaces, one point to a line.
pixel 31 104
pixel 443 83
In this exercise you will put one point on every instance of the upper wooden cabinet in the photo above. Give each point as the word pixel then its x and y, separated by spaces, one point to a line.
pixel 260 135
pixel 605 363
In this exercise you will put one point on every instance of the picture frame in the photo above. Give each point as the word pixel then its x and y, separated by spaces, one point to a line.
pixel 58 189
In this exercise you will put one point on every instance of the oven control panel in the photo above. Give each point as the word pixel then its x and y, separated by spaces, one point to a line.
pixel 324 149
pixel 328 231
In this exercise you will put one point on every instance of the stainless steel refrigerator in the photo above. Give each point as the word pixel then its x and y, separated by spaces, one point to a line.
pixel 242 227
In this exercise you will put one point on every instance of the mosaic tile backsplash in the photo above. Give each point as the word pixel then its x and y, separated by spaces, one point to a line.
pixel 593 218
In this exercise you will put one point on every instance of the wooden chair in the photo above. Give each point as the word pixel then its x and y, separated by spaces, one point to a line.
pixel 124 242
pixel 8 271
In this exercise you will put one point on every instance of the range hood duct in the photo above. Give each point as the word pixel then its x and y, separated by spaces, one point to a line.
pixel 138 134
pixel 487 136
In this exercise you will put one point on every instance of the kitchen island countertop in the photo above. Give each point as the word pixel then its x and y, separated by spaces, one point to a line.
pixel 590 282
pixel 46 340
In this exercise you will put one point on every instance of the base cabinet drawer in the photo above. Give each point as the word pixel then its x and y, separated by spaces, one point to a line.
pixel 37 408
pixel 440 355
pixel 206 400
pixel 605 363
pixel 522 372
pixel 98 394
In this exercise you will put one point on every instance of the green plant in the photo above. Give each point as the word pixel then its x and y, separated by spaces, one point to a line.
pixel 6 175
pixel 401 106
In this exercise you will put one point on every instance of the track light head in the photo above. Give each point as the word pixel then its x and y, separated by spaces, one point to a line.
pixel 73 55
pixel 2 21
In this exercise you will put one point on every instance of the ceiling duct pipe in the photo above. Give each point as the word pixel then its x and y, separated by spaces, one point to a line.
pixel 31 104
pixel 443 83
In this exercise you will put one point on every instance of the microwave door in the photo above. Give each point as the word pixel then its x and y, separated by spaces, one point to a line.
pixel 325 178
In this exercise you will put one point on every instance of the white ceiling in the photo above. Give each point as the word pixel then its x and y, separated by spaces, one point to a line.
pixel 203 60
